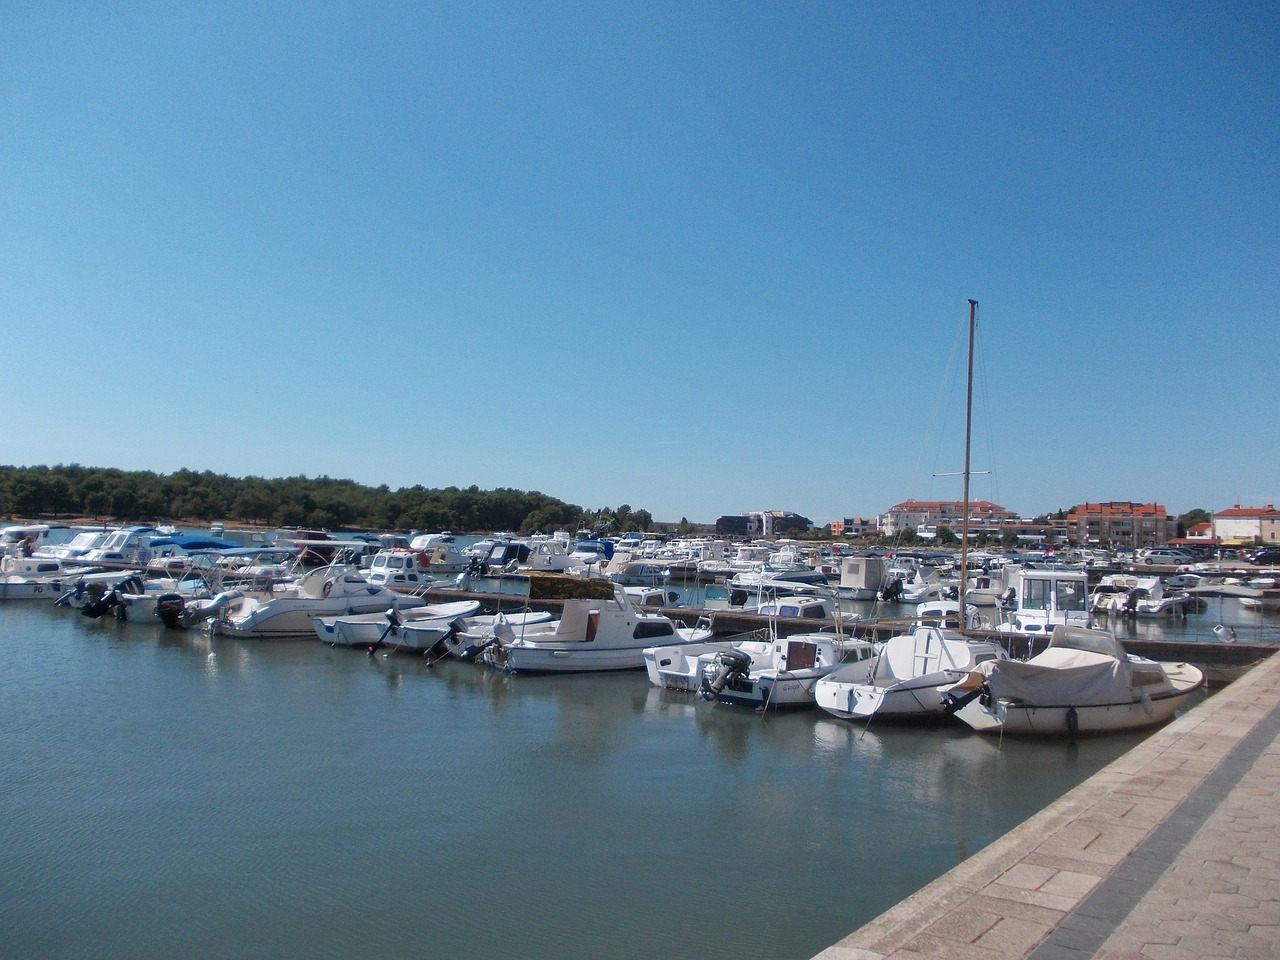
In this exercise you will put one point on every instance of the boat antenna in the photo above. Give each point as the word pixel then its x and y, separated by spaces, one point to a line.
pixel 964 510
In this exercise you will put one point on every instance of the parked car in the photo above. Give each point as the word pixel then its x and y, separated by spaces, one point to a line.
pixel 1267 556
pixel 1166 556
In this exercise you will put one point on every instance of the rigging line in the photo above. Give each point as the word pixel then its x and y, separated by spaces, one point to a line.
pixel 933 434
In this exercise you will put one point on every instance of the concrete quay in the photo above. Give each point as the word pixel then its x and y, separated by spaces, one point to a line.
pixel 1172 852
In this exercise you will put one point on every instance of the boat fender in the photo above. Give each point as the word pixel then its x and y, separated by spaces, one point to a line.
pixel 1073 720
pixel 328 589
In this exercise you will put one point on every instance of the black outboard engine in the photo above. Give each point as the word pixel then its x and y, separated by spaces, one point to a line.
pixel 892 591
pixel 101 606
pixel 737 598
pixel 169 609
pixel 729 664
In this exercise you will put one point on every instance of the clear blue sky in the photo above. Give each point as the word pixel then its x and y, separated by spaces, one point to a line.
pixel 696 258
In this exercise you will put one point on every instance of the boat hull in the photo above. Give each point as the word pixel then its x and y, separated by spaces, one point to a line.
pixel 565 657
pixel 1002 716
pixel 919 697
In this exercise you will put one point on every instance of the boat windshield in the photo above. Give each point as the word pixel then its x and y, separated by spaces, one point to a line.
pixel 1045 593
pixel 1071 595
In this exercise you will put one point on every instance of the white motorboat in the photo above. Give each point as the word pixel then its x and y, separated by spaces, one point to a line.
pixel 1046 597
pixel 600 632
pixel 289 608
pixel 682 667
pixel 805 607
pixel 785 673
pixel 946 613
pixel 23 539
pixel 388 627
pixel 983 589
pixel 1126 595
pixel 1083 682
pixel 776 580
pixel 49 578
pixel 652 596
pixel 862 578
pixel 909 677
pixel 472 634
pixel 129 546
pixel 400 568
pixel 439 553
pixel 639 573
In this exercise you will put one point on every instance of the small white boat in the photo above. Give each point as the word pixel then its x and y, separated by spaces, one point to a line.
pixel 472 634
pixel 289 609
pixel 682 667
pixel 1126 595
pixel 652 596
pixel 400 568
pixel 946 613
pixel 439 553
pixel 909 677
pixel 592 634
pixel 862 578
pixel 1083 682
pixel 785 673
pixel 48 578
pixel 804 607
pixel 388 626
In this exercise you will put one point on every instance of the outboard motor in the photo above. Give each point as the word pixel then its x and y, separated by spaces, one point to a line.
pixel 103 605
pixel 892 591
pixel 729 664
pixel 201 610
pixel 737 598
pixel 169 608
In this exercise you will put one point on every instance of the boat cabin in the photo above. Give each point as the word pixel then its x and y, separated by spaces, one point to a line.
pixel 398 569
pixel 1048 597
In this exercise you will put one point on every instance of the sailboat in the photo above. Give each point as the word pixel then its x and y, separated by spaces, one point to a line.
pixel 914 671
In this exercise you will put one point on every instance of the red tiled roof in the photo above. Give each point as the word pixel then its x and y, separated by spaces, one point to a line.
pixel 1239 511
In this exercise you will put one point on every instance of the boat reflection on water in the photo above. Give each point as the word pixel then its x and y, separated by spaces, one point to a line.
pixel 250 782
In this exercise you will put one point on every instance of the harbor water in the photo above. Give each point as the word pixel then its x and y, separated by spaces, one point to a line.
pixel 170 794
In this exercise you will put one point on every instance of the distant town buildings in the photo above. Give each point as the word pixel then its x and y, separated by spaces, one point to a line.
pixel 1113 524
pixel 855 527
pixel 1239 525
pixel 926 517
pixel 766 523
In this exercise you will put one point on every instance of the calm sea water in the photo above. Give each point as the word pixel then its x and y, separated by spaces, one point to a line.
pixel 167 795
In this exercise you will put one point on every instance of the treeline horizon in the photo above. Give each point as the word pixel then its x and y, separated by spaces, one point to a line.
pixel 143 496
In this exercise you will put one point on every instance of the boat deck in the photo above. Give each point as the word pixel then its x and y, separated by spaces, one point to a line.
pixel 1168 853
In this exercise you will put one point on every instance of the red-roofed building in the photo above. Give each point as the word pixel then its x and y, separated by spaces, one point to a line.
pixel 1121 524
pixel 1246 525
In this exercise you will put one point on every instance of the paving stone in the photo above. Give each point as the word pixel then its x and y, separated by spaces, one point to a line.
pixel 1170 853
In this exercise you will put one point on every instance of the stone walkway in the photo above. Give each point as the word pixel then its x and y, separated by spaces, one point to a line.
pixel 1170 853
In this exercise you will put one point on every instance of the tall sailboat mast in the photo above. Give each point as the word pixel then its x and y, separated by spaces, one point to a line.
pixel 964 509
